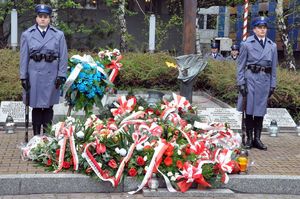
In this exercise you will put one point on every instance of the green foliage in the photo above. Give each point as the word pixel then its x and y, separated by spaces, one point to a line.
pixel 9 76
pixel 147 71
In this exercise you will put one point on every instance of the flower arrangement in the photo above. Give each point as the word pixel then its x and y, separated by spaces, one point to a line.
pixel 138 141
pixel 88 79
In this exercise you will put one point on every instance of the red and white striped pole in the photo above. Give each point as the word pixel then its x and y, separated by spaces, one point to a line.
pixel 245 20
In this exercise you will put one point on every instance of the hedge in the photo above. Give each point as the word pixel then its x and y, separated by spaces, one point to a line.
pixel 144 71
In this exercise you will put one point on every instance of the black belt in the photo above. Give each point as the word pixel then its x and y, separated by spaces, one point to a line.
pixel 47 57
pixel 257 68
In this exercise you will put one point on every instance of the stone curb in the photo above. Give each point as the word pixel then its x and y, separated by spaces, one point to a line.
pixel 78 183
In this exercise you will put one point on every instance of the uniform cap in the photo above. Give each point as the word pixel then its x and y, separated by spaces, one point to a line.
pixel 214 45
pixel 260 21
pixel 42 8
pixel 235 47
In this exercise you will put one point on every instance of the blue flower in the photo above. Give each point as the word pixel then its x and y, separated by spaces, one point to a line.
pixel 81 87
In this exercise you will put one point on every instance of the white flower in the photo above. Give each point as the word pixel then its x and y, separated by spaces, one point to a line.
pixel 70 120
pixel 188 127
pixel 122 152
pixel 145 158
pixel 176 175
pixel 169 174
pixel 173 178
pixel 179 152
pixel 139 147
pixel 80 134
pixel 141 108
pixel 146 168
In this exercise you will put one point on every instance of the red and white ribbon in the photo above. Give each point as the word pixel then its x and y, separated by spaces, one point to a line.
pixel 67 133
pixel 189 174
pixel 223 158
pixel 123 106
pixel 87 155
pixel 115 66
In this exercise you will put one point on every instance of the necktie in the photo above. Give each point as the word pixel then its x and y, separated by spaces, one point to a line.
pixel 261 43
pixel 43 33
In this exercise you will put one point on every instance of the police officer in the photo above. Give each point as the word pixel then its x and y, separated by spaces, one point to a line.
pixel 43 66
pixel 234 53
pixel 256 78
pixel 214 52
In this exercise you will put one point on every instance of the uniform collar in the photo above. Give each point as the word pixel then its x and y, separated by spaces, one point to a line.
pixel 50 27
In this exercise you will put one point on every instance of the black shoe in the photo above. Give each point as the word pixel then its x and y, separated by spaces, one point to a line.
pixel 249 141
pixel 257 143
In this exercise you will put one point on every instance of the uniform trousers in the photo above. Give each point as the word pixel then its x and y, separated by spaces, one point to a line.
pixel 41 116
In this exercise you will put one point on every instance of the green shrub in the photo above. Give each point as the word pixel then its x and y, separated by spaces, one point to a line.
pixel 9 77
pixel 147 71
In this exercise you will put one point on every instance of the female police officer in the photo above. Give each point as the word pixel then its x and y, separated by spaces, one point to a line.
pixel 43 66
pixel 256 78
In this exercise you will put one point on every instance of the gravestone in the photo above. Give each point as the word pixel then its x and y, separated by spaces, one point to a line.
pixel 16 109
pixel 283 118
pixel 222 115
pixel 234 118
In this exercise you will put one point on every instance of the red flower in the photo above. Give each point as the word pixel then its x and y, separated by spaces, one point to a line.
pixel 105 174
pixel 112 163
pixel 88 170
pixel 132 172
pixel 149 111
pixel 49 162
pixel 179 164
pixel 168 161
pixel 187 149
pixel 100 148
pixel 180 109
pixel 66 165
pixel 140 161
pixel 170 150
pixel 147 147
pixel 57 153
pixel 157 113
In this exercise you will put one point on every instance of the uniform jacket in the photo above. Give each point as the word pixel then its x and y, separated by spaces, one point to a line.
pixel 42 75
pixel 230 58
pixel 218 57
pixel 258 84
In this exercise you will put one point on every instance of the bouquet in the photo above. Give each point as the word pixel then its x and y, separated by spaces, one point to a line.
pixel 138 141
pixel 89 79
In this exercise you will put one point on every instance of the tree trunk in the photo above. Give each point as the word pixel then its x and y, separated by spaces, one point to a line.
pixel 189 29
pixel 287 46
pixel 123 27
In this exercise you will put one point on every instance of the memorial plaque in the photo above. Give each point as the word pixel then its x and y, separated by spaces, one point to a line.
pixel 228 115
pixel 233 117
pixel 281 115
pixel 16 109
